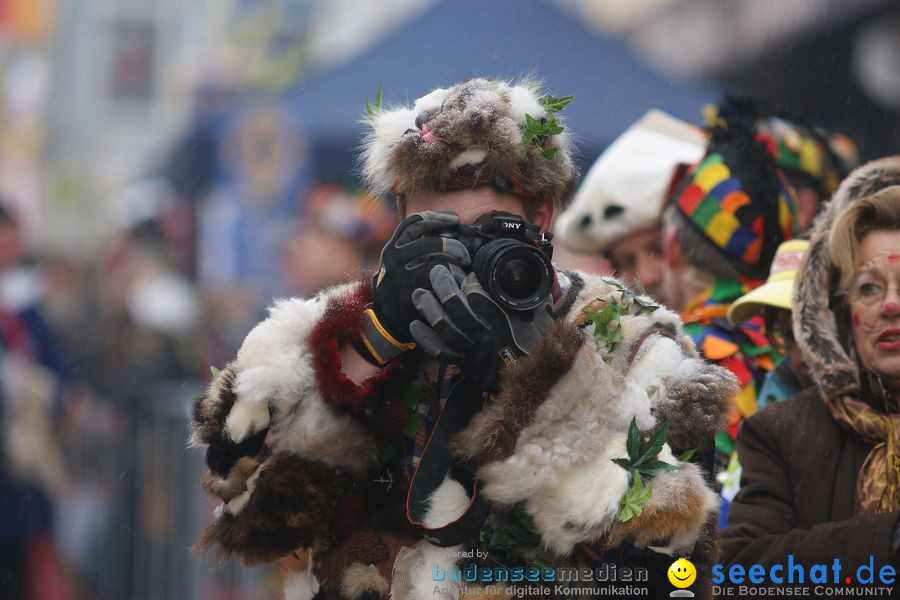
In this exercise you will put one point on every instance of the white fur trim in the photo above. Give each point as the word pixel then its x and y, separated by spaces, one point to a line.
pixel 301 586
pixel 237 504
pixel 431 101
pixel 446 504
pixel 274 371
pixel 245 419
pixel 470 156
pixel 657 360
pixel 358 579
pixel 388 126
pixel 522 101
pixel 584 502
pixel 413 576
pixel 634 173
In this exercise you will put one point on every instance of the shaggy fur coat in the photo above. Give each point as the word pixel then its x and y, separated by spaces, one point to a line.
pixel 293 445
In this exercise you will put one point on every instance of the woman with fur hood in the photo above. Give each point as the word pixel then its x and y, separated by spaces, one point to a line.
pixel 821 470
pixel 472 435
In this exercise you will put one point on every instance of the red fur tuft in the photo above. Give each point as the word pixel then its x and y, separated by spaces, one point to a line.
pixel 341 323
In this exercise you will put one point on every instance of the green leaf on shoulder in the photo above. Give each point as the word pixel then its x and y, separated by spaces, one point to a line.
pixel 622 462
pixel 634 500
pixel 633 441
pixel 655 443
pixel 656 467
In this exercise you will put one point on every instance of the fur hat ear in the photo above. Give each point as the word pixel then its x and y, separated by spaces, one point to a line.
pixel 475 133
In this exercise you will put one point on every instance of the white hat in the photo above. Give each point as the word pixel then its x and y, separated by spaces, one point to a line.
pixel 624 191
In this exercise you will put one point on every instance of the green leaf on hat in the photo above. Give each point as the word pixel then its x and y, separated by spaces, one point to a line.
pixel 554 105
pixel 215 372
pixel 374 111
pixel 552 126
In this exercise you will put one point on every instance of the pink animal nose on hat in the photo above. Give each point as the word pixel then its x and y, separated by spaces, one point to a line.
pixel 427 134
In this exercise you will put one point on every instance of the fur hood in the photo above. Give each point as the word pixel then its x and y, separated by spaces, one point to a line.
pixel 820 318
pixel 475 133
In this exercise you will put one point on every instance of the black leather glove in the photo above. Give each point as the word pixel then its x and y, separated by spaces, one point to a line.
pixel 406 261
pixel 465 326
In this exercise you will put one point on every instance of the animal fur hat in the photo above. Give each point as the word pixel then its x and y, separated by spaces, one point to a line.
pixel 473 134
pixel 820 318
pixel 625 190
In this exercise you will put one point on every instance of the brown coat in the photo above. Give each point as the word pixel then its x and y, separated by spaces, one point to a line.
pixel 797 488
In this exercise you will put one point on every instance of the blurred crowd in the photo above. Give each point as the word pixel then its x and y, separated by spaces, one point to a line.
pixel 713 221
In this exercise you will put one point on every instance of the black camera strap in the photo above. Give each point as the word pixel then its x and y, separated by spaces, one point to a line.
pixel 437 462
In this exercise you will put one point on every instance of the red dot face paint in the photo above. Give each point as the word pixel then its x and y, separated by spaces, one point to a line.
pixel 894 259
pixel 890 307
pixel 855 320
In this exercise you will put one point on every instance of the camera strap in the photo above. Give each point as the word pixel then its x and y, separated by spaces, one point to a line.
pixel 437 462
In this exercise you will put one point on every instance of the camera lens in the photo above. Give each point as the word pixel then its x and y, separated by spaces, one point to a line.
pixel 517 275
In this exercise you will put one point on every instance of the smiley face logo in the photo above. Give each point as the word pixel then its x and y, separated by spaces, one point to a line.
pixel 682 573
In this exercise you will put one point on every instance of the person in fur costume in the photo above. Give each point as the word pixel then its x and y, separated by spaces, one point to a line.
pixel 576 425
pixel 821 470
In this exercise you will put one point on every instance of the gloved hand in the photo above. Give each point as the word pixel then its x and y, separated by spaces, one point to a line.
pixel 406 261
pixel 465 326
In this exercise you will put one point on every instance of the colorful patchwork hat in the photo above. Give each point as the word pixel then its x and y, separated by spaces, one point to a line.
pixel 738 199
pixel 778 290
pixel 805 153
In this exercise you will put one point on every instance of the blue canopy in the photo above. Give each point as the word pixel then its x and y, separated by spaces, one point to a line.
pixel 459 39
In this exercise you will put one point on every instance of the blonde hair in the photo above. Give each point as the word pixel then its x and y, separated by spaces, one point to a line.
pixel 878 212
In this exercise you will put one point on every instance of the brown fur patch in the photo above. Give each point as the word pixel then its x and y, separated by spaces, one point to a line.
pixel 493 432
pixel 662 521
pixel 291 506
pixel 211 411
pixel 697 408
pixel 235 484
pixel 704 557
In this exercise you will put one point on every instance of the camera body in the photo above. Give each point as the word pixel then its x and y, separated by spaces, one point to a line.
pixel 510 258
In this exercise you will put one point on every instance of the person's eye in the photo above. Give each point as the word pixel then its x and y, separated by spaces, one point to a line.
pixel 869 289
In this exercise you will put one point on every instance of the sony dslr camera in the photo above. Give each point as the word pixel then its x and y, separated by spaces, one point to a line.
pixel 510 258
